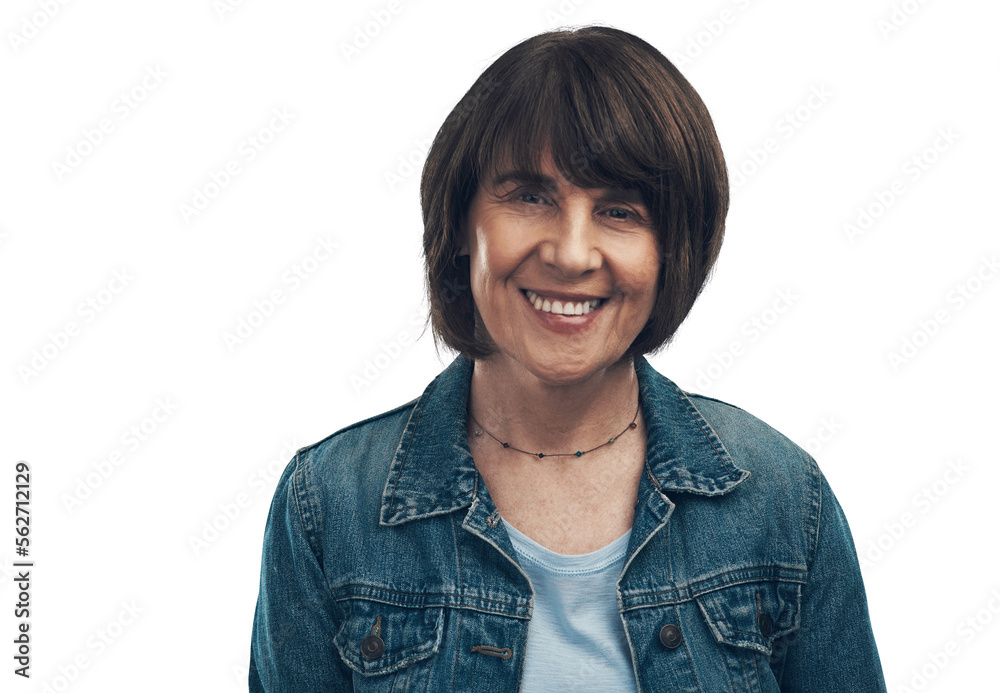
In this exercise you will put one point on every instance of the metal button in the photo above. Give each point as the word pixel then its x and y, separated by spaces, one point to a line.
pixel 765 624
pixel 670 636
pixel 372 646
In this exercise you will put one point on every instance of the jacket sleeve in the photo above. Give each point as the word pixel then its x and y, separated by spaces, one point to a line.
pixel 292 643
pixel 834 648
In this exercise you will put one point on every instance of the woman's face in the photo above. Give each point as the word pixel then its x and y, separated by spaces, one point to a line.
pixel 541 247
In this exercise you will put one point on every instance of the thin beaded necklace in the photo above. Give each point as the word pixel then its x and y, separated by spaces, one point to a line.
pixel 479 430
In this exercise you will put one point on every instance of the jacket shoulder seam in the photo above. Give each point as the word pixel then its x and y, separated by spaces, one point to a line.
pixel 756 418
pixel 303 508
pixel 695 395
pixel 816 508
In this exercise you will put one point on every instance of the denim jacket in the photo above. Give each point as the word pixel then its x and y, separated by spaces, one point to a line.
pixel 386 568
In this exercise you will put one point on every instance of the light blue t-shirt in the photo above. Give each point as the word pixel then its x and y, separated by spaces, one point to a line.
pixel 576 640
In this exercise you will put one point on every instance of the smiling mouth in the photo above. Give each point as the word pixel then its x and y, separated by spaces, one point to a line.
pixel 550 305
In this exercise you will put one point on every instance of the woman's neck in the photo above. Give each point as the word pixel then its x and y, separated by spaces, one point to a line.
pixel 531 414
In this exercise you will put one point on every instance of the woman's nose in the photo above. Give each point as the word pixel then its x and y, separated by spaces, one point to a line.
pixel 571 245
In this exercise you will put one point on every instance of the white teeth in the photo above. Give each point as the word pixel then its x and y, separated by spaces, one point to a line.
pixel 562 307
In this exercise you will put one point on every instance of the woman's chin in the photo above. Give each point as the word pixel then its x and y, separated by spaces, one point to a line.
pixel 561 370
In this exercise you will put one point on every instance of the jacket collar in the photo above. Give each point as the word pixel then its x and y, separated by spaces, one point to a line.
pixel 433 471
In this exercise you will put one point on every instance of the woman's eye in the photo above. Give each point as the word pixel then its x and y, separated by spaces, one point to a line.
pixel 623 214
pixel 529 197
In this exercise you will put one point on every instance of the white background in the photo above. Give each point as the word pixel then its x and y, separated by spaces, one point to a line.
pixel 884 432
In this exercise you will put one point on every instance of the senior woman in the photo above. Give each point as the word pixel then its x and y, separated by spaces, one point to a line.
pixel 552 514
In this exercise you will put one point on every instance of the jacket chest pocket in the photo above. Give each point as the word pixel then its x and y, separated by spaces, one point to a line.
pixel 390 648
pixel 746 620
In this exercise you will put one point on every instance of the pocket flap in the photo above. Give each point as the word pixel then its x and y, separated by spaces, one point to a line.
pixel 752 615
pixel 398 636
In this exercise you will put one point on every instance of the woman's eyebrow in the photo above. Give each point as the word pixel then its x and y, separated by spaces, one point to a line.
pixel 630 195
pixel 520 177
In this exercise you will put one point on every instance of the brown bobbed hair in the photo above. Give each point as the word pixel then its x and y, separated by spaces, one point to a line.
pixel 614 112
